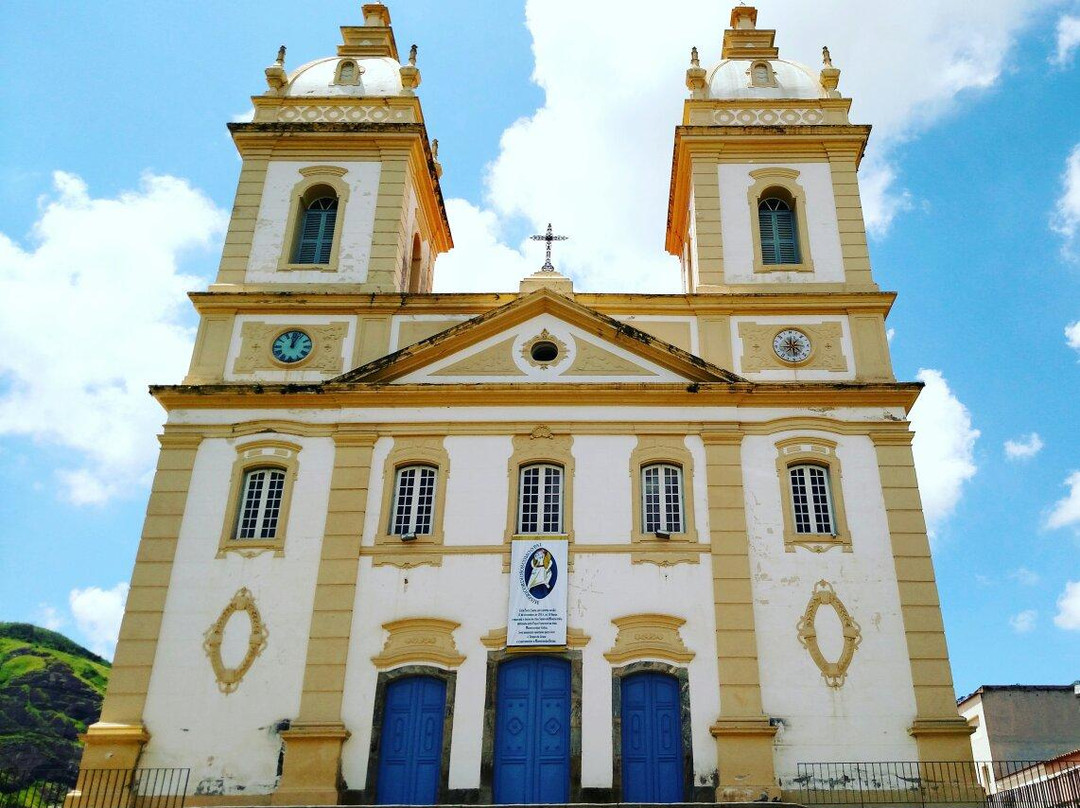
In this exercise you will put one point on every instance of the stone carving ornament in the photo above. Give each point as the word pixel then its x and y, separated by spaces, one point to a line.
pixel 229 679
pixel 824 595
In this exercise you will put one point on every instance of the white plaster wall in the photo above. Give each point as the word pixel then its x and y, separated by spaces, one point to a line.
pixel 358 225
pixel 602 475
pixel 822 228
pixel 560 329
pixel 868 717
pixel 980 739
pixel 231 740
pixel 780 374
pixel 637 320
pixel 288 376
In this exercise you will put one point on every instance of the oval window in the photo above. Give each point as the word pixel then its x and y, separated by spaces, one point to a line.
pixel 544 351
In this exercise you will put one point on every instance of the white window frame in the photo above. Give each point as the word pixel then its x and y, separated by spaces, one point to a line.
pixel 814 508
pixel 267 509
pixel 544 498
pixel 664 523
pixel 413 526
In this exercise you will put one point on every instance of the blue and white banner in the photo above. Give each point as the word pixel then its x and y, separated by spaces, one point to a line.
pixel 538 593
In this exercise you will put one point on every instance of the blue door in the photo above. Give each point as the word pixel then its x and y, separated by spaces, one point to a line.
pixel 652 748
pixel 532 731
pixel 410 750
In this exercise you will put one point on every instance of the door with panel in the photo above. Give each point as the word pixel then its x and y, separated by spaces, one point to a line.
pixel 411 743
pixel 652 744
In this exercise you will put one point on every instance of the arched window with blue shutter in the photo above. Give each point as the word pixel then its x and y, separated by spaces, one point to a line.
pixel 779 236
pixel 317 231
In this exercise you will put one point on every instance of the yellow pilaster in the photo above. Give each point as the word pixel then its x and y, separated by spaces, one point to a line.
pixel 744 735
pixel 707 223
pixel 312 771
pixel 843 166
pixel 938 729
pixel 117 739
pixel 388 243
pixel 245 212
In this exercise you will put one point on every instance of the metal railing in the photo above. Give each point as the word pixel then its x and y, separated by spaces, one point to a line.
pixel 997 784
pixel 95 788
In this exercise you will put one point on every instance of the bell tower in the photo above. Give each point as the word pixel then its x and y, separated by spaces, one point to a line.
pixel 339 187
pixel 764 194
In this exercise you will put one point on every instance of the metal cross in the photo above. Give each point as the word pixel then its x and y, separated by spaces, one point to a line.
pixel 548 238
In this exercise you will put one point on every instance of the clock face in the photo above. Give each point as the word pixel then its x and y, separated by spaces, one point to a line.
pixel 791 345
pixel 292 346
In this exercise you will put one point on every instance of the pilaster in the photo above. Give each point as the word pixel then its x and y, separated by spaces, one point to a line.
pixel 116 740
pixel 939 731
pixel 388 242
pixel 705 174
pixel 744 734
pixel 843 167
pixel 245 213
pixel 312 770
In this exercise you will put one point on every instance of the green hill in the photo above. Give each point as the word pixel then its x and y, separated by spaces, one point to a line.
pixel 51 689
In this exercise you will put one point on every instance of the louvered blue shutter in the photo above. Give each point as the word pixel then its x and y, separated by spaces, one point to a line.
pixel 317 232
pixel 779 244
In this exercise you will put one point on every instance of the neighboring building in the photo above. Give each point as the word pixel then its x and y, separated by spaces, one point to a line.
pixel 1027 723
pixel 702 506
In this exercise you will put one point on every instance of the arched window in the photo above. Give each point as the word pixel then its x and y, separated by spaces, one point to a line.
pixel 414 280
pixel 661 498
pixel 811 500
pixel 414 501
pixel 779 239
pixel 540 499
pixel 316 236
pixel 260 503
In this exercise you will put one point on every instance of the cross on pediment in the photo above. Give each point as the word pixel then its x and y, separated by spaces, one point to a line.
pixel 548 238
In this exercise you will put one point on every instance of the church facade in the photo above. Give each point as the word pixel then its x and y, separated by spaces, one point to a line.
pixel 551 546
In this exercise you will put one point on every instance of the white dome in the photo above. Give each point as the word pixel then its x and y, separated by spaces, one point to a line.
pixel 731 79
pixel 379 76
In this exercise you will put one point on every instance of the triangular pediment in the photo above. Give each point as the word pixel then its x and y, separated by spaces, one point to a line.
pixel 540 337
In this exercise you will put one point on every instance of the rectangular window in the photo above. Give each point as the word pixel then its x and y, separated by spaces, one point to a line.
pixel 414 501
pixel 540 499
pixel 261 504
pixel 661 491
pixel 810 499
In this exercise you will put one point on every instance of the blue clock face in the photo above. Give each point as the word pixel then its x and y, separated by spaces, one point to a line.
pixel 292 346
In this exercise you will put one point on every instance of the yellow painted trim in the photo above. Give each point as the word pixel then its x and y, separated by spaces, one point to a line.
pixel 834 673
pixel 271 453
pixel 800 451
pixel 419 640
pixel 648 636
pixel 300 197
pixel 540 446
pixel 651 449
pixel 411 450
pixel 767 180
pixel 229 679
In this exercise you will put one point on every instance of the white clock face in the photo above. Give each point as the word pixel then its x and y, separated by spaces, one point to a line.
pixel 791 345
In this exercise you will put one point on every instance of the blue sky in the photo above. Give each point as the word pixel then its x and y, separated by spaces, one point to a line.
pixel 560 111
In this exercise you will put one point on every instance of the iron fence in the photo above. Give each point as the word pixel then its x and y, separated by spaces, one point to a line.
pixel 95 788
pixel 995 784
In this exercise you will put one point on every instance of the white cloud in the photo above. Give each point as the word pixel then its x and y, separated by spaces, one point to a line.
pixel 1066 511
pixel 1024 448
pixel 944 447
pixel 889 334
pixel 1068 39
pixel 595 158
pixel 97 614
pixel 1024 622
pixel 49 618
pixel 1068 614
pixel 1024 576
pixel 93 313
pixel 1072 335
pixel 479 261
pixel 1066 216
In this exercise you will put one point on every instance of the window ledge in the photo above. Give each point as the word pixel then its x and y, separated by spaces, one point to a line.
pixel 817 542
pixel 762 268
pixel 249 548
pixel 308 267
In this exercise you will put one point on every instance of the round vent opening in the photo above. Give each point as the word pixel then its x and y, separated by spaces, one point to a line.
pixel 544 351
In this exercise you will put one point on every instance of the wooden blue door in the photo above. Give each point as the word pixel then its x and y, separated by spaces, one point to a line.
pixel 652 747
pixel 532 731
pixel 410 750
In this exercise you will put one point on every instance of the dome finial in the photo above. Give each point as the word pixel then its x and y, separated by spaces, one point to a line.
pixel 410 73
pixel 695 75
pixel 830 76
pixel 412 55
pixel 276 77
